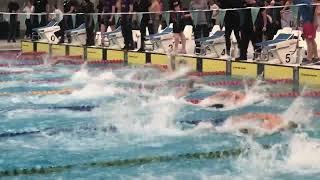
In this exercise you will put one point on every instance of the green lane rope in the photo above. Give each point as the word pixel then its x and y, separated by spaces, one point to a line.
pixel 126 162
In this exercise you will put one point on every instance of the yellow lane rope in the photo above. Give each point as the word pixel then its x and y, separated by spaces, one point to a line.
pixel 63 91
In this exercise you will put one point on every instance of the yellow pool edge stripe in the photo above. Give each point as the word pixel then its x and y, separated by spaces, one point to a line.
pixel 212 65
pixel 278 72
pixel 137 58
pixel 309 76
pixel 244 69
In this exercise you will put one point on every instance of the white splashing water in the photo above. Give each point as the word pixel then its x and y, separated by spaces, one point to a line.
pixel 96 89
pixel 304 153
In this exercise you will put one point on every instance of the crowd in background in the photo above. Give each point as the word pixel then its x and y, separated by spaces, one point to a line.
pixel 239 22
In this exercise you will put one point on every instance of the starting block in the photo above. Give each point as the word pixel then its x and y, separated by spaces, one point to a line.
pixel 158 40
pixel 46 34
pixel 285 47
pixel 78 35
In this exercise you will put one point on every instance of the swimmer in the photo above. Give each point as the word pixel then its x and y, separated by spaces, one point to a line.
pixel 265 121
pixel 63 61
pixel 222 99
pixel 218 100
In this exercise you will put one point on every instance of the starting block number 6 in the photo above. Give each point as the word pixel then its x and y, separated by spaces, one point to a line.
pixel 288 58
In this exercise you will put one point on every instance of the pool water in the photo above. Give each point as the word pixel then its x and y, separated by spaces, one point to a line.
pixel 146 123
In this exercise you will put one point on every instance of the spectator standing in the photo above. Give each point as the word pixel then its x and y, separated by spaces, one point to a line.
pixel 107 20
pixel 178 26
pixel 100 10
pixel 200 29
pixel 252 31
pixel 28 9
pixel 80 18
pixel 13 7
pixel 126 6
pixel 40 6
pixel 317 15
pixel 143 6
pixel 231 21
pixel 274 21
pixel 67 22
pixel 87 8
pixel 58 17
pixel 213 5
pixel 155 17
pixel 309 31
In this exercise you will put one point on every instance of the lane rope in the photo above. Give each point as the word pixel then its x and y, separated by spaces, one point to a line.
pixel 219 154
pixel 63 91
pixel 52 131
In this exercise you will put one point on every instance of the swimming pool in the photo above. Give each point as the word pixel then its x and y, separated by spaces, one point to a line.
pixel 133 131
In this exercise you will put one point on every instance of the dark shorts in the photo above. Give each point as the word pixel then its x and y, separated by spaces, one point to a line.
pixel 178 27
pixel 309 31
pixel 106 22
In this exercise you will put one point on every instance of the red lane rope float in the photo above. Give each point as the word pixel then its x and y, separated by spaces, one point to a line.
pixel 94 62
pixel 34 53
pixel 276 95
pixel 13 72
pixel 21 64
pixel 207 73
pixel 106 62
pixel 239 83
pixel 316 113
pixel 68 57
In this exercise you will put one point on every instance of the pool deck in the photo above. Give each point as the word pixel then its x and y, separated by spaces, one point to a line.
pixel 6 46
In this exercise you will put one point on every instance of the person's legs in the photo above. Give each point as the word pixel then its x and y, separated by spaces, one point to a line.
pixel 197 35
pixel 89 30
pixel 69 25
pixel 130 37
pixel 44 20
pixel 244 43
pixel 228 31
pixel 10 30
pixel 315 49
pixel 28 28
pixel 310 34
pixel 309 49
pixel 60 33
pixel 183 42
pixel 126 27
pixel 124 31
pixel 205 31
pixel 257 38
pixel 102 31
pixel 91 35
pixel 14 29
pixel 176 41
pixel 143 26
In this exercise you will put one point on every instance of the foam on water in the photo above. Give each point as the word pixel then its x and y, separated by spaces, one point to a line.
pixel 303 153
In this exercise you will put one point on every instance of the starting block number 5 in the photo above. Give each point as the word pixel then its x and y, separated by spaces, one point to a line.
pixel 223 52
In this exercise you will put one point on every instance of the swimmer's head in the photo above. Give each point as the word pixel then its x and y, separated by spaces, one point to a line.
pixel 190 84
pixel 217 106
pixel 244 131
pixel 291 125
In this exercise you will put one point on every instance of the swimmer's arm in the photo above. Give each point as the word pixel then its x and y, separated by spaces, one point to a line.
pixel 181 94
pixel 248 117
pixel 157 66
